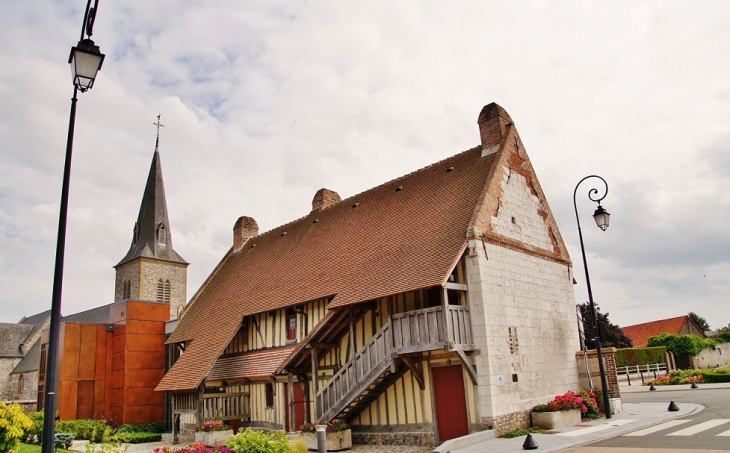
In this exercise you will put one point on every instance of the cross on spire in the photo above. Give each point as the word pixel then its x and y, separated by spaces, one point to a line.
pixel 159 125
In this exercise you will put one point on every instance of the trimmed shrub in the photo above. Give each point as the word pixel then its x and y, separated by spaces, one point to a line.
pixel 63 440
pixel 136 438
pixel 713 377
pixel 13 423
pixel 640 356
pixel 156 427
pixel 258 442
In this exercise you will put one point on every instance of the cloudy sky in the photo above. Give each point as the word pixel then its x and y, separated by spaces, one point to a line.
pixel 265 102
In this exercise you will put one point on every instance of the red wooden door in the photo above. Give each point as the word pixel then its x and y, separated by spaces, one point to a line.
pixel 298 404
pixel 450 402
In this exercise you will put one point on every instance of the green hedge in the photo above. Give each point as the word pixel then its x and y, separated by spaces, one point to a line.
pixel 135 438
pixel 155 427
pixel 712 377
pixel 92 430
pixel 640 356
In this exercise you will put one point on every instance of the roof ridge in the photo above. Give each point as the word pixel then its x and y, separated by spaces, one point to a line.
pixel 366 191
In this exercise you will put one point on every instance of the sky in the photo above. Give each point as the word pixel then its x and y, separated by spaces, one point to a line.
pixel 264 103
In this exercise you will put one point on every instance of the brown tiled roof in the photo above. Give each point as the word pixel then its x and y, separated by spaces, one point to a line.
pixel 378 243
pixel 261 363
pixel 640 333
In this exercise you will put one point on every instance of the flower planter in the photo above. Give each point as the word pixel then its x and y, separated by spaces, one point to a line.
pixel 213 438
pixel 341 440
pixel 552 420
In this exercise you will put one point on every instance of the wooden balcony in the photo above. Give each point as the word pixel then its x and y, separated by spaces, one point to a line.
pixel 375 366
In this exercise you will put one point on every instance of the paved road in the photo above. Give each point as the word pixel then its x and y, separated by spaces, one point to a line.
pixel 707 430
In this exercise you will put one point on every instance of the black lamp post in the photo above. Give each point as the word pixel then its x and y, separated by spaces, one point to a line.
pixel 601 217
pixel 85 60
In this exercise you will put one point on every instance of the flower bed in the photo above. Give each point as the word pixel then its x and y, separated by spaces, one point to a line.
pixel 565 410
pixel 677 377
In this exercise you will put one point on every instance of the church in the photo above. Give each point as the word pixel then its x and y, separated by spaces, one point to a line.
pixel 112 357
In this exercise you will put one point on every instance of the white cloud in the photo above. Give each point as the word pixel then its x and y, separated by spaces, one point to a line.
pixel 265 102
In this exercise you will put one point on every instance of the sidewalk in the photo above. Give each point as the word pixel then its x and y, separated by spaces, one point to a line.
pixel 633 417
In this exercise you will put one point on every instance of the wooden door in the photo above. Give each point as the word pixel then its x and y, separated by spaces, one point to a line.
pixel 298 404
pixel 450 402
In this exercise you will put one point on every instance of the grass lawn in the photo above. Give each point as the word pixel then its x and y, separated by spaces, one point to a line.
pixel 32 448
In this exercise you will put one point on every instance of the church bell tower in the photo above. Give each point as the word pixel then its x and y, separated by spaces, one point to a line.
pixel 152 270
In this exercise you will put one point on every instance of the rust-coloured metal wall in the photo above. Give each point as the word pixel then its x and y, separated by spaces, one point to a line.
pixel 112 375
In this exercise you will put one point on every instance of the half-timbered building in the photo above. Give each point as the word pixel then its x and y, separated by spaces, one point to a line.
pixel 431 306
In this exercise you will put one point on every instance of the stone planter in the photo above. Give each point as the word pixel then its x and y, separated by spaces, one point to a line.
pixel 552 420
pixel 213 438
pixel 341 440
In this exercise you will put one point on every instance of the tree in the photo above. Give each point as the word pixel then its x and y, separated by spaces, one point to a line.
pixel 611 334
pixel 700 321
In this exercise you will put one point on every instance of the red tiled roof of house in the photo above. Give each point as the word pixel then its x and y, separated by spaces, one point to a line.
pixel 261 363
pixel 640 333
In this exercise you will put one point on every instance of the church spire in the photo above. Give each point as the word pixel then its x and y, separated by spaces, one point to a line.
pixel 151 237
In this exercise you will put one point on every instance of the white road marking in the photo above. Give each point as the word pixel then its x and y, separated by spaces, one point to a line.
pixel 653 429
pixel 593 429
pixel 725 434
pixel 700 427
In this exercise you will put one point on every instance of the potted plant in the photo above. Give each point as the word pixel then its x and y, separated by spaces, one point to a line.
pixel 212 434
pixel 565 410
pixel 338 435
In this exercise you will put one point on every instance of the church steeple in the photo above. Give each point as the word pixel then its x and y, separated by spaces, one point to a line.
pixel 152 270
pixel 151 237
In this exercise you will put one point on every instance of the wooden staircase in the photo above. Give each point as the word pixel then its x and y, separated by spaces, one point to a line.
pixel 378 364
pixel 361 380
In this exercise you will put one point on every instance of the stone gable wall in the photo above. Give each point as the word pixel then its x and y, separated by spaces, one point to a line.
pixel 531 297
pixel 7 364
pixel 517 216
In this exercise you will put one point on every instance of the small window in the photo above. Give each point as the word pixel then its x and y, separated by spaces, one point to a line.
pixel 161 234
pixel 160 290
pixel 291 324
pixel 167 292
pixel 21 385
pixel 514 345
pixel 270 394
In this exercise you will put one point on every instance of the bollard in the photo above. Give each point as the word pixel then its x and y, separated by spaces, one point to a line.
pixel 652 388
pixel 530 443
pixel 628 378
pixel 321 438
pixel 693 386
pixel 673 407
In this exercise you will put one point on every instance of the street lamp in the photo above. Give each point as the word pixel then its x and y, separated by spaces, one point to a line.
pixel 601 217
pixel 85 60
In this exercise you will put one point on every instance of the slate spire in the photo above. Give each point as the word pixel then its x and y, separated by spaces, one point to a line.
pixel 151 237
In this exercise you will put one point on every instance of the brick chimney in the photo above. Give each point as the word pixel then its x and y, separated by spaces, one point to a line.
pixel 324 198
pixel 244 229
pixel 493 121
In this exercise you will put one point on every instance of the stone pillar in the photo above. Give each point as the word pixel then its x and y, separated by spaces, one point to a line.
pixel 609 363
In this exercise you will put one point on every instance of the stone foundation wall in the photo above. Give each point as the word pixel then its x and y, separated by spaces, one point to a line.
pixel 508 422
pixel 425 439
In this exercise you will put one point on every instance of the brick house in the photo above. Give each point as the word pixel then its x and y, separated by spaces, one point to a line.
pixel 680 325
pixel 431 306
